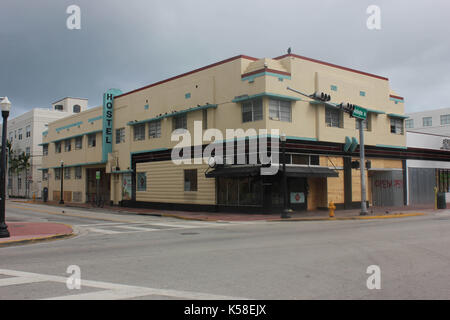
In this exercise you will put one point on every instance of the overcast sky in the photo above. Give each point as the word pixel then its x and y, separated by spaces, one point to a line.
pixel 128 44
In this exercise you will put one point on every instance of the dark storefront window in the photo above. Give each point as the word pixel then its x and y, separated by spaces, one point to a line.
pixel 245 191
pixel 443 176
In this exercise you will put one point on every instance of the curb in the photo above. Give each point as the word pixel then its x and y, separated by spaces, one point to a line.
pixel 39 239
pixel 391 216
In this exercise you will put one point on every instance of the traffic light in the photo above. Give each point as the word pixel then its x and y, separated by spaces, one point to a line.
pixel 355 164
pixel 321 96
pixel 347 107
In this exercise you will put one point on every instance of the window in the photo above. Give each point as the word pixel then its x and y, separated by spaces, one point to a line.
pixel 91 140
pixel 180 122
pixel 190 180
pixel 409 123
pixel 45 150
pixel 19 183
pixel 252 110
pixel 205 119
pixel 67 173
pixel 141 181
pixel 139 132
pixel 78 173
pixel 58 147
pixel 27 151
pixel 427 121
pixel 365 123
pixel 396 126
pixel 362 93
pixel 45 174
pixel 333 117
pixel 280 110
pixel 28 131
pixel 154 129
pixel 78 143
pixel 10 137
pixel 310 160
pixel 333 88
pixel 59 107
pixel 20 134
pixel 68 145
pixel 445 119
pixel 120 135
pixel 57 173
pixel 76 108
pixel 443 180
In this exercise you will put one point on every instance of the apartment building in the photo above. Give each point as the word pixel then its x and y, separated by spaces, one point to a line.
pixel 123 151
pixel 436 121
pixel 25 134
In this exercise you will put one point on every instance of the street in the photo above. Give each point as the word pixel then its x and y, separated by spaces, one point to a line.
pixel 146 257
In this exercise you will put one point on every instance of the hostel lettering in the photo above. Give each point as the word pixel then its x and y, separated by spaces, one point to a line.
pixel 108 100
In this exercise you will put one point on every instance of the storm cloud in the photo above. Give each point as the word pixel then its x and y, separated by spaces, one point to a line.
pixel 129 44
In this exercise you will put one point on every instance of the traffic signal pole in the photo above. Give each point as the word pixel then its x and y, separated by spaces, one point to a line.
pixel 362 168
pixel 360 114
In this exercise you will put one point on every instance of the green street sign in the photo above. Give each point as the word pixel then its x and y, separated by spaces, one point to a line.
pixel 359 113
pixel 97 175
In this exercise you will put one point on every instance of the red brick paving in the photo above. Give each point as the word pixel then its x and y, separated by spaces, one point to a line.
pixel 31 230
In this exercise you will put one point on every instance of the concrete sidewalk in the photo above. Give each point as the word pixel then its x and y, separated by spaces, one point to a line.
pixel 29 232
pixel 374 213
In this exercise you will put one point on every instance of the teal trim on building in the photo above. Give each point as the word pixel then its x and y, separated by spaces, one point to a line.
pixel 172 114
pixel 146 107
pixel 187 95
pixel 264 94
pixel 43 144
pixel 45 133
pixel 400 116
pixel 75 136
pixel 76 124
pixel 388 146
pixel 375 111
pixel 270 74
pixel 78 165
pixel 396 100
pixel 362 93
pixel 95 119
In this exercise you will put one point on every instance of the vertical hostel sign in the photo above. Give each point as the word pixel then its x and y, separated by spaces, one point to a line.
pixel 107 137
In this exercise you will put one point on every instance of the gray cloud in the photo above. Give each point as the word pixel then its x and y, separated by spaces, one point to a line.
pixel 129 44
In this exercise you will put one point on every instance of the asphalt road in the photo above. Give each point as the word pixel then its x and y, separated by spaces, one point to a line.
pixel 129 257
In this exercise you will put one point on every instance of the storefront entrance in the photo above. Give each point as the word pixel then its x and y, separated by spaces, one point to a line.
pixel 103 185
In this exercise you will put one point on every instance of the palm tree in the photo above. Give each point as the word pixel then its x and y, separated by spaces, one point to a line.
pixel 24 163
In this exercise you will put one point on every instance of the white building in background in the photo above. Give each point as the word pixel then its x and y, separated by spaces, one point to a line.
pixel 424 175
pixel 432 121
pixel 25 134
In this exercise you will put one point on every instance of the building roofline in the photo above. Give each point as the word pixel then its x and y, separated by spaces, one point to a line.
pixel 188 73
pixel 68 98
pixel 429 134
pixel 331 65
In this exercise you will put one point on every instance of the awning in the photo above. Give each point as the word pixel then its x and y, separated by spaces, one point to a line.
pixel 251 171
pixel 302 172
pixel 234 171
pixel 399 116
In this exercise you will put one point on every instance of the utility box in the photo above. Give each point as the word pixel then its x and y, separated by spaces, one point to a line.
pixel 441 202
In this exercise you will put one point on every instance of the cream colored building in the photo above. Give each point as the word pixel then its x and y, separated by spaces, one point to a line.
pixel 133 146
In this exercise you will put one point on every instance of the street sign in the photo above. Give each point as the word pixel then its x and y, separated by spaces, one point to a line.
pixel 97 175
pixel 359 113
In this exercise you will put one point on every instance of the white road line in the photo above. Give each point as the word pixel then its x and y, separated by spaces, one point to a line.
pixel 104 231
pixel 17 280
pixel 112 290
pixel 99 224
pixel 137 228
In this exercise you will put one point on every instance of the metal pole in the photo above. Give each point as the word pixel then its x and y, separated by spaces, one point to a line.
pixel 62 182
pixel 285 212
pixel 363 169
pixel 4 233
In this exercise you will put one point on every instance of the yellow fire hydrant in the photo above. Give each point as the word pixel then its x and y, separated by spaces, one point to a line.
pixel 331 207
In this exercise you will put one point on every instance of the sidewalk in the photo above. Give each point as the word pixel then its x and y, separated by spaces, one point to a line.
pixel 28 232
pixel 374 213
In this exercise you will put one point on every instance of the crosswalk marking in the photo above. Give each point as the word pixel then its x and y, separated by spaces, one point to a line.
pixel 110 291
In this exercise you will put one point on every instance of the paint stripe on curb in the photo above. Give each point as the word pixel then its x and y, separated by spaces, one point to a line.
pixel 391 216
pixel 36 240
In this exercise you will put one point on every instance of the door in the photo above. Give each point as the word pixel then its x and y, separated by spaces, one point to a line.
pixel 298 194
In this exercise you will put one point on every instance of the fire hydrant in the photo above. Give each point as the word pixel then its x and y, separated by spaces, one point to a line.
pixel 331 207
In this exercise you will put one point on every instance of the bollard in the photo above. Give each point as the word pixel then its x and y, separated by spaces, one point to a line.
pixel 34 197
pixel 331 207
pixel 435 197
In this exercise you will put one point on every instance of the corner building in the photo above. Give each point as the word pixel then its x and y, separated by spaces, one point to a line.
pixel 133 153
